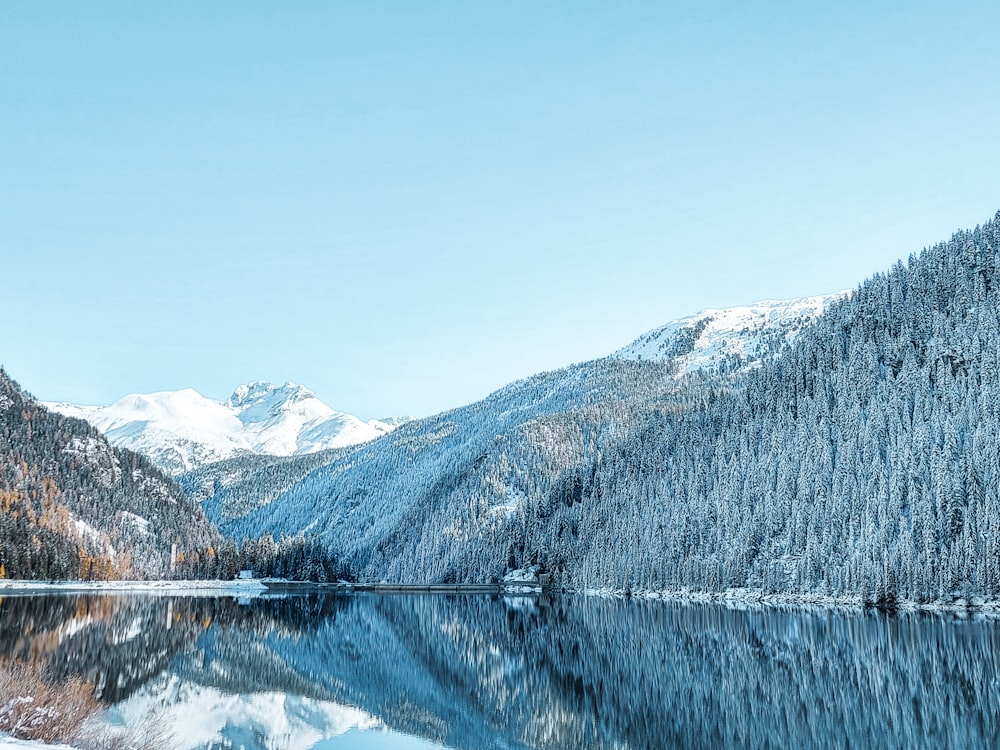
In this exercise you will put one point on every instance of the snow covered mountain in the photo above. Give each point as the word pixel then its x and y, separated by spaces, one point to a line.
pixel 729 339
pixel 503 453
pixel 181 430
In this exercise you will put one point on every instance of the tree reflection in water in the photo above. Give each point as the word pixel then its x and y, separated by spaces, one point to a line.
pixel 565 672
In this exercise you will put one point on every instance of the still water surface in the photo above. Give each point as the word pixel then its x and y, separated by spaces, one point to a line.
pixel 476 672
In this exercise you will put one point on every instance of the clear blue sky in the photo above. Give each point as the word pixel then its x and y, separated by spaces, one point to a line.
pixel 404 206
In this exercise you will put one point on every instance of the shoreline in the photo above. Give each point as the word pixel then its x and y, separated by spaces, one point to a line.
pixel 262 585
pixel 173 588
pixel 745 598
pixel 732 598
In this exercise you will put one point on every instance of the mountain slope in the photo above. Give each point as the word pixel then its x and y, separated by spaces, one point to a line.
pixel 364 495
pixel 712 342
pixel 181 430
pixel 467 471
pixel 72 505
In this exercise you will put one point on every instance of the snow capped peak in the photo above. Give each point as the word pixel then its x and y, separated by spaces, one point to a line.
pixel 181 430
pixel 264 391
pixel 277 417
pixel 735 337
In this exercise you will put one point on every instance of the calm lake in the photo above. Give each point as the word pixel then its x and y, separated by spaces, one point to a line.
pixel 371 671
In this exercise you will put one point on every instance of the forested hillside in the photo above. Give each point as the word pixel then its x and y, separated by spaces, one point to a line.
pixel 860 460
pixel 720 342
pixel 426 491
pixel 863 463
pixel 73 506
pixel 405 496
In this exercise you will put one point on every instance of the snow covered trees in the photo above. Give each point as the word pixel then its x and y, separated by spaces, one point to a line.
pixel 73 506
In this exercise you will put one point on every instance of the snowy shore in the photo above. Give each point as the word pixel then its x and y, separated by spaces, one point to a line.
pixel 735 598
pixel 248 587
pixel 743 598
pixel 9 743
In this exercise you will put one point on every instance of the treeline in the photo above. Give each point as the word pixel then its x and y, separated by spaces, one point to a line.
pixel 293 558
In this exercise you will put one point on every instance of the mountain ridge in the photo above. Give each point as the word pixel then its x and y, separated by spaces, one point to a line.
pixel 182 430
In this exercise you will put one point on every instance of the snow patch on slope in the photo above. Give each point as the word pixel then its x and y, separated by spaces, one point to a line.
pixel 181 430
pixel 736 337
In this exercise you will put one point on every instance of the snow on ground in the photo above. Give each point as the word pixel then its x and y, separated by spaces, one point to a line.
pixel 751 598
pixel 249 587
pixel 137 521
pixel 515 499
pixel 85 531
pixel 523 575
pixel 522 581
pixel 720 335
pixel 9 743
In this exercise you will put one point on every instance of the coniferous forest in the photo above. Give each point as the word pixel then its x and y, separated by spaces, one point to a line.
pixel 76 507
pixel 864 462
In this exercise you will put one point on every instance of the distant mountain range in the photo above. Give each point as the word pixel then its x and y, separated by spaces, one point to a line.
pixel 182 430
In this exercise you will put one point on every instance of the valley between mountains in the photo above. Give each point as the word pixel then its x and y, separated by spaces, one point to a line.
pixel 835 448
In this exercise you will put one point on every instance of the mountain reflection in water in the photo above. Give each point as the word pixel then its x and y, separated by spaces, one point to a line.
pixel 480 672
